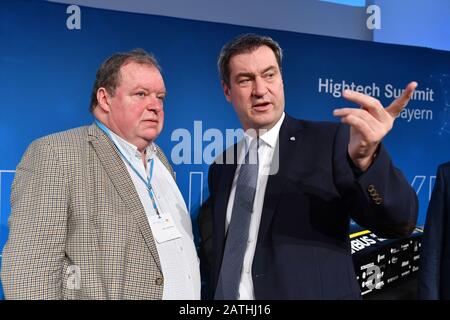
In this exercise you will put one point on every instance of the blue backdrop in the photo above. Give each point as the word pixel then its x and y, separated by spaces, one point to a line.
pixel 47 72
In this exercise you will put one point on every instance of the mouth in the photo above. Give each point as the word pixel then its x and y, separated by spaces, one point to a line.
pixel 150 121
pixel 261 107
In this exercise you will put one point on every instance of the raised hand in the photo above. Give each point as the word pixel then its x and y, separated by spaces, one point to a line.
pixel 370 123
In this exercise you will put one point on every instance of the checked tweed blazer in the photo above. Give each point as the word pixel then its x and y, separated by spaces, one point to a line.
pixel 77 227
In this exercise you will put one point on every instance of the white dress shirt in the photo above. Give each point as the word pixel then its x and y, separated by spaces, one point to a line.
pixel 178 257
pixel 266 150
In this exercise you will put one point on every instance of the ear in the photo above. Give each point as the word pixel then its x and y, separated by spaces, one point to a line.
pixel 103 99
pixel 226 91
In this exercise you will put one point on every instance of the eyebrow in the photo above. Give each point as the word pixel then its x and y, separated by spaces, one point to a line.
pixel 251 74
pixel 140 87
pixel 269 69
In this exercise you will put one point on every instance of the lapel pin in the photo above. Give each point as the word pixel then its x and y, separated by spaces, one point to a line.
pixel 292 138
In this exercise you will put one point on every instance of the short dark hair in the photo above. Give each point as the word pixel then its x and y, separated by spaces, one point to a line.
pixel 108 75
pixel 244 44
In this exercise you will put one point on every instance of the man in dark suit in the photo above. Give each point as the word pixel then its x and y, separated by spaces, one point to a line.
pixel 277 227
pixel 434 271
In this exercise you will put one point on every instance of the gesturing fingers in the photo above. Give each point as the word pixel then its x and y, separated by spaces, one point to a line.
pixel 364 122
pixel 398 104
pixel 372 105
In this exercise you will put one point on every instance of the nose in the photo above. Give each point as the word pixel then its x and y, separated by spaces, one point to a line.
pixel 259 87
pixel 155 103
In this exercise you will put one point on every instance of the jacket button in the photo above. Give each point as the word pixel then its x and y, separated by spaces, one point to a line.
pixel 371 188
pixel 159 281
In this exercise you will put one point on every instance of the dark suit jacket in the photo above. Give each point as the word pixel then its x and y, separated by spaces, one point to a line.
pixel 303 248
pixel 434 271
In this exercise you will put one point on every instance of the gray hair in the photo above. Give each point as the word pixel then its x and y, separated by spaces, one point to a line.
pixel 108 75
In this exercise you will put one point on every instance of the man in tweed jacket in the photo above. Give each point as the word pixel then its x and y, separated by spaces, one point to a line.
pixel 81 221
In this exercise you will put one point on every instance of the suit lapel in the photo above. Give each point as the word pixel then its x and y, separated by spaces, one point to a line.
pixel 289 139
pixel 118 173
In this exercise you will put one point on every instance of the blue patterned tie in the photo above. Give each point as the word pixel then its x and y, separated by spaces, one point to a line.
pixel 237 235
